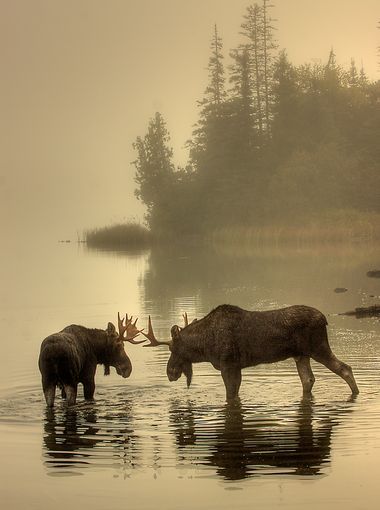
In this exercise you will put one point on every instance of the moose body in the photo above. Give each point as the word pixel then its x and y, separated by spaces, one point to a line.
pixel 71 356
pixel 231 339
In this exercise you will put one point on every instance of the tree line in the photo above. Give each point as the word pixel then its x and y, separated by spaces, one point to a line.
pixel 275 143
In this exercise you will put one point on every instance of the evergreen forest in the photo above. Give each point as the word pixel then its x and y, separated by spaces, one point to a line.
pixel 276 144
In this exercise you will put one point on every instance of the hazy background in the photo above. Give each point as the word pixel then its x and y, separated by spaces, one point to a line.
pixel 81 79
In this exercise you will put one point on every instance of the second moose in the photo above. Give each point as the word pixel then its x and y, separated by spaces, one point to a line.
pixel 231 339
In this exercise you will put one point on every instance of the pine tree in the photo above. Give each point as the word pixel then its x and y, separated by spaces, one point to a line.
pixel 258 28
pixel 378 48
pixel 269 45
pixel 287 105
pixel 208 132
pixel 253 30
pixel 215 93
pixel 154 169
pixel 363 78
pixel 353 76
pixel 241 97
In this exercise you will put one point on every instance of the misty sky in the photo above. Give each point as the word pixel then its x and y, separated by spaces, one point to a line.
pixel 81 79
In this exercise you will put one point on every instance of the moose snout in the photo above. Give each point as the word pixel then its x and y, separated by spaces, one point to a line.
pixel 124 371
pixel 127 373
pixel 173 374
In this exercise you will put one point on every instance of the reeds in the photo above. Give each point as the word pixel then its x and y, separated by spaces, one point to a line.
pixel 340 227
pixel 119 236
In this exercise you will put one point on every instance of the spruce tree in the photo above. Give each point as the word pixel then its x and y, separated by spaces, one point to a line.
pixel 241 97
pixel 154 170
pixel 253 30
pixel 209 133
pixel 269 47
pixel 259 30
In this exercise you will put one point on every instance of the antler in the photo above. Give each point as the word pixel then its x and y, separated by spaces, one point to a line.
pixel 186 320
pixel 150 336
pixel 129 328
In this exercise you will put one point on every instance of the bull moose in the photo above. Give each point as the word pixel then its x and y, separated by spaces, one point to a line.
pixel 71 356
pixel 231 339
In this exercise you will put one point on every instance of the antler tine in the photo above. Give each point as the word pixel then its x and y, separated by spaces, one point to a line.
pixel 185 319
pixel 122 328
pixel 150 336
pixel 132 331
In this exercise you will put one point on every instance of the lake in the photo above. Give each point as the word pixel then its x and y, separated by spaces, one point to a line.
pixel 147 443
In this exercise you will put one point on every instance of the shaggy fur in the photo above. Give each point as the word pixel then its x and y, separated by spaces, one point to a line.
pixel 231 339
pixel 71 356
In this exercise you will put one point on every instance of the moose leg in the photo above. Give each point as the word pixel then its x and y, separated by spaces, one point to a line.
pixel 48 387
pixel 89 389
pixel 71 394
pixel 49 392
pixel 338 367
pixel 232 380
pixel 305 373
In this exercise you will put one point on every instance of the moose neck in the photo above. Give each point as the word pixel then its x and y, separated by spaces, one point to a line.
pixel 98 341
pixel 196 348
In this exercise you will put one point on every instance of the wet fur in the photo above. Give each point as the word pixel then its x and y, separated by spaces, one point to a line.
pixel 71 356
pixel 232 339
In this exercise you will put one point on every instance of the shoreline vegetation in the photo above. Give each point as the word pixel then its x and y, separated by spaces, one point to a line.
pixel 340 228
pixel 119 236
pixel 281 154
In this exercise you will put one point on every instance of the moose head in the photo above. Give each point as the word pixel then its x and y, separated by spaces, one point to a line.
pixel 116 355
pixel 181 359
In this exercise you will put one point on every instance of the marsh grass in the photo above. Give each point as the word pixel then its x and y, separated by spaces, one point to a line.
pixel 339 227
pixel 119 236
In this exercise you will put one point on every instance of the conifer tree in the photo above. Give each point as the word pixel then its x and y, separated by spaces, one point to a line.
pixel 353 76
pixel 258 28
pixel 287 104
pixel 209 129
pixel 154 169
pixel 253 30
pixel 269 46
pixel 241 97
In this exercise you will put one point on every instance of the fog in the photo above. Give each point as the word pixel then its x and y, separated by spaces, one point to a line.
pixel 82 78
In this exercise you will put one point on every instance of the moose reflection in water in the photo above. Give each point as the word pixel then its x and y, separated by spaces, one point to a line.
pixel 240 442
pixel 68 438
pixel 237 439
pixel 70 357
pixel 77 438
pixel 231 339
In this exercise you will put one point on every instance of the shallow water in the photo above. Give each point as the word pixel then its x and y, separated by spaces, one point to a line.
pixel 148 443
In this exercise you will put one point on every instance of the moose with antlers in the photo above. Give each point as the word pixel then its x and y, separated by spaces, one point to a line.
pixel 231 339
pixel 71 356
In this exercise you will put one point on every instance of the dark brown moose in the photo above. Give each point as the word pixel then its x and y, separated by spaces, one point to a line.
pixel 71 356
pixel 231 339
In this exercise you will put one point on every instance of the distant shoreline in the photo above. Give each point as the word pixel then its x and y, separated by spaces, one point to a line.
pixel 363 228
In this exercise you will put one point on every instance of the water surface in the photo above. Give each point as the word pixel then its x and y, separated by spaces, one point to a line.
pixel 148 443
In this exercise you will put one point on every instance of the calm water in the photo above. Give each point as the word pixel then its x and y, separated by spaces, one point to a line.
pixel 147 443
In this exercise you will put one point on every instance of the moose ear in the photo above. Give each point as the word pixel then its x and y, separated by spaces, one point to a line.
pixel 111 330
pixel 175 332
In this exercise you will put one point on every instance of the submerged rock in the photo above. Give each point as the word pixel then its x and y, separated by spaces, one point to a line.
pixel 339 290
